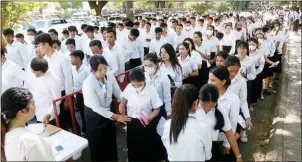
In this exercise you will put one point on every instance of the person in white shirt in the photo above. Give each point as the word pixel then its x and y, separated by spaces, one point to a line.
pixel 120 29
pixel 103 38
pixel 16 51
pixel 200 27
pixel 239 87
pixel 56 44
pixel 228 43
pixel 280 41
pixel 184 137
pixel 20 38
pixel 167 33
pixel 62 69
pixel 87 38
pixel 80 72
pixel 147 35
pixel 189 65
pixel 211 42
pixel 71 46
pixel 98 90
pixel 239 33
pixel 188 30
pixel 31 34
pixel 157 42
pixel 171 65
pixel 73 35
pixel 179 37
pixel 143 106
pixel 66 35
pixel 18 143
pixel 97 49
pixel 133 49
pixel 12 74
pixel 217 119
pixel 44 95
pixel 257 57
pixel 296 19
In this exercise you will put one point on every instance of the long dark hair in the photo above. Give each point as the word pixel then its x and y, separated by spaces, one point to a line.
pixel 222 73
pixel 12 101
pixel 184 98
pixel 209 93
pixel 172 54
pixel 187 46
pixel 192 43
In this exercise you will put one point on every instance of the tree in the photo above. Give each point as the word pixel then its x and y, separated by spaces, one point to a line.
pixel 67 4
pixel 97 6
pixel 223 7
pixel 202 7
pixel 129 10
pixel 239 5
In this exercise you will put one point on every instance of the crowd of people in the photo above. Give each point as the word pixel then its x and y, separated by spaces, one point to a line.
pixel 193 82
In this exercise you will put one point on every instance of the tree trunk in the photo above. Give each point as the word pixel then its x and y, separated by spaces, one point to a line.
pixel 129 10
pixel 97 7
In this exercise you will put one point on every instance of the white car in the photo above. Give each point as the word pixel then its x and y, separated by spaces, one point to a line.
pixel 44 25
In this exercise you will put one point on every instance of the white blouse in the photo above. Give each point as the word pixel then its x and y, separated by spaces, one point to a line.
pixel 197 57
pixel 23 145
pixel 188 65
pixel 211 43
pixel 176 74
pixel 258 59
pixel 142 102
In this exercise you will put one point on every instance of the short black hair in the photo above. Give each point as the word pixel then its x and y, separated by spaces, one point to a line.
pixel 199 34
pixel 57 41
pixel 8 31
pixel 148 23
pixel 32 30
pixel 83 26
pixel 211 18
pixel 78 53
pixel 89 28
pixel 134 32
pixel 96 43
pixel 70 41
pixel 254 40
pixel 188 22
pixel 242 43
pixel 96 28
pixel 39 64
pixel 112 25
pixel 40 32
pixel 103 29
pixel 43 38
pixel 137 74
pixel 120 24
pixel 96 60
pixel 65 32
pixel 219 35
pixel 19 35
pixel 136 23
pixel 222 54
pixel 180 25
pixel 111 31
pixel 129 23
pixel 72 28
pixel 201 20
pixel 158 30
pixel 53 31
pixel 163 25
pixel 232 61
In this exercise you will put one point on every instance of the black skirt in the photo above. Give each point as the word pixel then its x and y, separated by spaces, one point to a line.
pixel 216 153
pixel 256 88
pixel 227 49
pixel 204 73
pixel 101 135
pixel 267 71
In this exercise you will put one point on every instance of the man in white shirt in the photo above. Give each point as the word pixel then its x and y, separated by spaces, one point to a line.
pixel 179 37
pixel 97 49
pixel 44 95
pixel 31 34
pixel 16 51
pixel 120 29
pixel 157 42
pixel 12 74
pixel 73 34
pixel 201 27
pixel 54 36
pixel 147 35
pixel 80 72
pixel 86 41
pixel 56 44
pixel 188 31
pixel 66 35
pixel 133 49
pixel 20 38
pixel 167 34
pixel 61 68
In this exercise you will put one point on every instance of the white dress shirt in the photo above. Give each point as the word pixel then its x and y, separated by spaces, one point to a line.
pixel 132 49
pixel 204 50
pixel 270 45
pixel 147 35
pixel 113 66
pixel 31 53
pixel 169 38
pixel 258 59
pixel 176 74
pixel 23 145
pixel 44 95
pixel 77 42
pixel 188 33
pixel 156 45
pixel 239 87
pixel 18 53
pixel 194 143
pixel 12 75
pixel 79 76
pixel 162 84
pixel 62 69
pixel 98 96
pixel 279 37
pixel 238 34
pixel 197 57
pixel 248 67
pixel 211 43
pixel 143 102
pixel 229 40
pixel 188 65
pixel 178 40
pixel 117 53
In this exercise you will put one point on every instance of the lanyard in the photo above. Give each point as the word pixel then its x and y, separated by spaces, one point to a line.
pixel 105 91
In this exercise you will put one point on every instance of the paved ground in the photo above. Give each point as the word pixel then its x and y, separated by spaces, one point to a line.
pixel 276 132
pixel 285 138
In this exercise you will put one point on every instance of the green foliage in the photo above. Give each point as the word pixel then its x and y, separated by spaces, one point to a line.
pixel 12 12
pixel 239 5
pixel 203 7
pixel 69 4
pixel 223 7
pixel 119 4
pixel 65 14
pixel 280 3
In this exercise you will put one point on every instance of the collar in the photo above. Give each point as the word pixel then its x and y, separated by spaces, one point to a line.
pixel 226 95
pixel 80 69
pixel 53 55
pixel 186 59
pixel 145 91
pixel 157 74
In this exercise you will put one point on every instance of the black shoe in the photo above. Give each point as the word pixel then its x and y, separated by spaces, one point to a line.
pixel 266 92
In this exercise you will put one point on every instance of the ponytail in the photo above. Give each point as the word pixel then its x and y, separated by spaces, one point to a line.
pixel 3 132
pixel 219 119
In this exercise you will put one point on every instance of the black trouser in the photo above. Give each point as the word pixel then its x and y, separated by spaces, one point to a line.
pixel 248 84
pixel 127 66
pixel 216 153
pixel 101 135
pixel 80 106
pixel 146 50
pixel 227 49
pixel 256 88
pixel 135 62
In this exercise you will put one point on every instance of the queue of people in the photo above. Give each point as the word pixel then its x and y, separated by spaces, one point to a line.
pixel 200 75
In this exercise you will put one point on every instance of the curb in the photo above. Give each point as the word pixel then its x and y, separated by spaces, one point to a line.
pixel 276 140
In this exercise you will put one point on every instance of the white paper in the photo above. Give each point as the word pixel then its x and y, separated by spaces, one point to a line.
pixel 36 128
pixel 241 121
pixel 160 126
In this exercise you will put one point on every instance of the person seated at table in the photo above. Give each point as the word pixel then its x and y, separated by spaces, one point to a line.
pixel 17 142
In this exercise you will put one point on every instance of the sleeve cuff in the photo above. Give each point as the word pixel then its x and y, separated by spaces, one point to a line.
pixel 226 144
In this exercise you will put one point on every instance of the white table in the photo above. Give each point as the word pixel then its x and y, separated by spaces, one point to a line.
pixel 72 144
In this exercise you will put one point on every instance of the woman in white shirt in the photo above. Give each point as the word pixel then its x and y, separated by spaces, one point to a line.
pixel 143 106
pixel 98 90
pixel 228 41
pixel 184 137
pixel 211 42
pixel 217 119
pixel 257 57
pixel 170 64
pixel 197 57
pixel 189 65
pixel 19 144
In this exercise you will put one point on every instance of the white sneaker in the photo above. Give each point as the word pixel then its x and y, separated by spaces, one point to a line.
pixel 270 84
pixel 243 136
pixel 262 97
pixel 251 109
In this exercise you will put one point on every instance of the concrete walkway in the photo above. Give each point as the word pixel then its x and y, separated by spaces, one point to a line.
pixel 285 136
